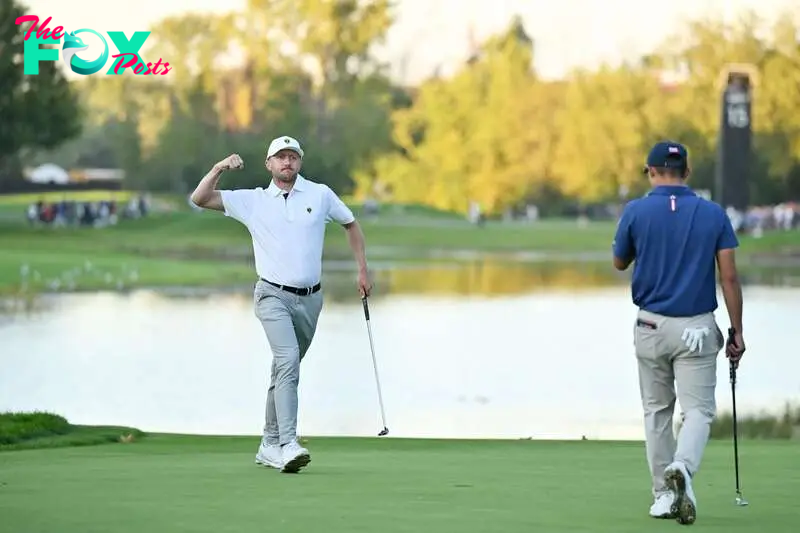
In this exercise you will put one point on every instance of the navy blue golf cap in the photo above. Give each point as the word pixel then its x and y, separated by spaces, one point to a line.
pixel 667 154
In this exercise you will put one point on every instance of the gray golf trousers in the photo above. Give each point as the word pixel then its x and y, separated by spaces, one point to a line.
pixel 289 321
pixel 665 363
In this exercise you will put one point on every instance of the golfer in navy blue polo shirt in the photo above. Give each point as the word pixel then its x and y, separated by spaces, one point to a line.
pixel 674 239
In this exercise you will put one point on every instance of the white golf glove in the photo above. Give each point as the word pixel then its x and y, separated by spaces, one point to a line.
pixel 693 337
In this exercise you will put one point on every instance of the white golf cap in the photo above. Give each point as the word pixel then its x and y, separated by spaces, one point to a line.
pixel 284 143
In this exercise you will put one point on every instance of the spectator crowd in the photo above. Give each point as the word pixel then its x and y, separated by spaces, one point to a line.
pixel 758 219
pixel 83 213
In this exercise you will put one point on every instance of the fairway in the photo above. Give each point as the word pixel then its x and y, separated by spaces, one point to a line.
pixel 210 484
pixel 209 249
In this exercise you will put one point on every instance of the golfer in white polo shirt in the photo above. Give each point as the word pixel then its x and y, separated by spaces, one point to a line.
pixel 287 223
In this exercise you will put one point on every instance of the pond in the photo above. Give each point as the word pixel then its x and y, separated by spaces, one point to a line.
pixel 479 350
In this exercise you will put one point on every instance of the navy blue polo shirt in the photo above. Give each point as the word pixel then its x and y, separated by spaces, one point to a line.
pixel 673 236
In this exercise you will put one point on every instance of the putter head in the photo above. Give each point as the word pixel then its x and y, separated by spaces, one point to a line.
pixel 740 501
pixel 384 432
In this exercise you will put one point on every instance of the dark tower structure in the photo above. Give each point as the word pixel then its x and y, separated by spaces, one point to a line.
pixel 734 147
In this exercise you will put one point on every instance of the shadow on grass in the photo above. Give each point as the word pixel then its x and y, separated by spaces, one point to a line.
pixel 46 430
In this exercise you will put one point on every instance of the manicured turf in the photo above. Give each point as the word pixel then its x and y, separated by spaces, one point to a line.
pixel 210 484
pixel 209 249
pixel 48 430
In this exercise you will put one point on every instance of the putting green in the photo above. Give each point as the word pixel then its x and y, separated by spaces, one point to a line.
pixel 210 484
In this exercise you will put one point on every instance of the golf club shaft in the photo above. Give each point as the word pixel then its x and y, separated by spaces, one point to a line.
pixel 733 364
pixel 735 427
pixel 374 361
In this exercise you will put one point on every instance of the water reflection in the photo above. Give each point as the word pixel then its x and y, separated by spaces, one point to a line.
pixel 502 277
pixel 493 278
pixel 546 364
pixel 485 277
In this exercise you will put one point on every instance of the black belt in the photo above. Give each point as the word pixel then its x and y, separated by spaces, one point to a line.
pixel 305 291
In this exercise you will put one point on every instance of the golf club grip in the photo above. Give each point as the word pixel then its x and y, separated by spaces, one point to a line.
pixel 732 365
pixel 366 307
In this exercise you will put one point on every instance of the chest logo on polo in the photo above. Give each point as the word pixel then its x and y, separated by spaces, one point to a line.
pixel 308 209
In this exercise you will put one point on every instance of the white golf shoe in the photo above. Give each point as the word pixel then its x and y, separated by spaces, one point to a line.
pixel 295 457
pixel 680 482
pixel 662 506
pixel 269 455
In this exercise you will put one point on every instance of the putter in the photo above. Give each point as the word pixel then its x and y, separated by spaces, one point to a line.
pixel 385 430
pixel 740 501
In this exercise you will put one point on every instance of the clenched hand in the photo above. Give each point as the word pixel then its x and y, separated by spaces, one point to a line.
pixel 231 162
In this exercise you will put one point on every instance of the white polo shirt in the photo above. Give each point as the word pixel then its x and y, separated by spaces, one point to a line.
pixel 288 233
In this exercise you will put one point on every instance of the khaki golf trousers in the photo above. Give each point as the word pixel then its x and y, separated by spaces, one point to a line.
pixel 289 321
pixel 666 364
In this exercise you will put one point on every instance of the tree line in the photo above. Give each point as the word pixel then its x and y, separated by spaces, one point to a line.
pixel 494 132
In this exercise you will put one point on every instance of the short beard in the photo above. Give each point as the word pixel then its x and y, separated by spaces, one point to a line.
pixel 279 177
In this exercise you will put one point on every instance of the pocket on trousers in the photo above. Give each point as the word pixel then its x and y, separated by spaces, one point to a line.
pixel 645 337
pixel 260 303
pixel 720 338
pixel 262 292
pixel 646 324
pixel 713 343
pixel 260 297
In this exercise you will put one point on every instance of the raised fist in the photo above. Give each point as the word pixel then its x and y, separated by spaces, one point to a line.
pixel 233 161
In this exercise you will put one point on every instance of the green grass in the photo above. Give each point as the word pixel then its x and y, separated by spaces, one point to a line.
pixel 212 232
pixel 209 249
pixel 23 200
pixel 52 481
pixel 46 430
pixel 764 425
pixel 20 427
pixel 210 484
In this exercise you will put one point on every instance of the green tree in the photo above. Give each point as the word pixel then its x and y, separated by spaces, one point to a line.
pixel 469 138
pixel 348 97
pixel 37 112
pixel 608 119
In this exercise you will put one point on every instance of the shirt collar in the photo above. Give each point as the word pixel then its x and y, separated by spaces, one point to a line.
pixel 299 185
pixel 669 190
